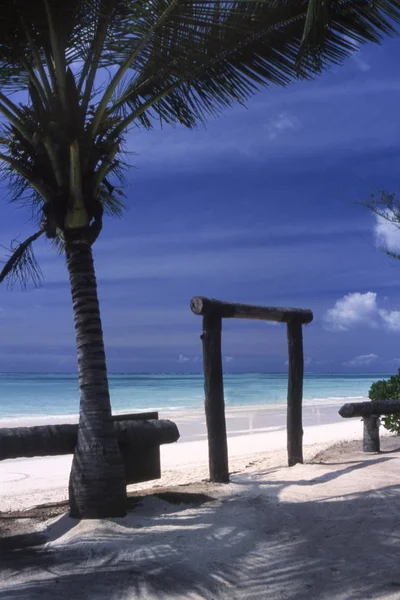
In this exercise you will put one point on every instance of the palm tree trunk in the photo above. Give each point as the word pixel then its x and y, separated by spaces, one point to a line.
pixel 97 487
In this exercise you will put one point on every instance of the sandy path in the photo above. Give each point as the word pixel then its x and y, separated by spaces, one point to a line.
pixel 327 530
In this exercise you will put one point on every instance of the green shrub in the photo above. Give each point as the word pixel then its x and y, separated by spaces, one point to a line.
pixel 387 389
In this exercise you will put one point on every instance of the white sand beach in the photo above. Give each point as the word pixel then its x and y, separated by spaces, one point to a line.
pixel 252 431
pixel 328 529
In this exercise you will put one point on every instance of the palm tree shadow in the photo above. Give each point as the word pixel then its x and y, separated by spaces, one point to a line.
pixel 326 477
pixel 248 545
pixel 392 451
pixel 57 528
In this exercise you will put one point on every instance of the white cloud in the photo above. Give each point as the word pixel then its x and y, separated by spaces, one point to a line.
pixel 183 359
pixel 362 360
pixel 310 361
pixel 391 319
pixel 357 56
pixel 352 309
pixel 387 233
pixel 395 361
pixel 360 309
pixel 360 62
pixel 240 133
pixel 283 122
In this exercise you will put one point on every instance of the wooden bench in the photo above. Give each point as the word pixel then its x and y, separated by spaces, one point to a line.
pixel 139 436
pixel 370 412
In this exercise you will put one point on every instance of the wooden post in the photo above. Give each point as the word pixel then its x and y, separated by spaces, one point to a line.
pixel 295 393
pixel 214 399
pixel 371 442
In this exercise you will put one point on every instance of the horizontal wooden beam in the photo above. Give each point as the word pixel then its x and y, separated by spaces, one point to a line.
pixel 366 409
pixel 55 440
pixel 142 416
pixel 227 310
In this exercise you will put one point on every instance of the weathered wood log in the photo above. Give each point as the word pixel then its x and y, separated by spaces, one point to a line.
pixel 366 409
pixel 139 442
pixel 295 393
pixel 210 307
pixel 214 400
pixel 371 442
pixel 142 416
pixel 54 440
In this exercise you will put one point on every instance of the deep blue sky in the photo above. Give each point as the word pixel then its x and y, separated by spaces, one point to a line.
pixel 257 208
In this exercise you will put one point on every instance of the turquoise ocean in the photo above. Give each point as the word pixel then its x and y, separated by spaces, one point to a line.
pixel 29 395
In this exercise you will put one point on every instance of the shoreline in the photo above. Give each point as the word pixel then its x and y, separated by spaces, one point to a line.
pixel 253 435
pixel 178 412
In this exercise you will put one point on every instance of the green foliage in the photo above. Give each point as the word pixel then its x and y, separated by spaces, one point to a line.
pixel 387 389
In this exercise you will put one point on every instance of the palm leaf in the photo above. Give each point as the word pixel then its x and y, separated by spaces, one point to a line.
pixel 204 56
pixel 360 22
pixel 224 50
pixel 21 265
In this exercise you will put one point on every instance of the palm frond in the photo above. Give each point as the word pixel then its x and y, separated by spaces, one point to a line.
pixel 108 196
pixel 353 22
pixel 58 244
pixel 207 55
pixel 21 266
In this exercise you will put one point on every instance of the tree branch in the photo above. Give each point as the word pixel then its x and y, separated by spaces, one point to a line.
pixel 135 114
pixel 22 263
pixel 47 92
pixel 16 122
pixel 124 68
pixel 103 169
pixel 190 75
pixel 35 81
pixel 37 186
pixel 10 105
pixel 91 64
pixel 58 55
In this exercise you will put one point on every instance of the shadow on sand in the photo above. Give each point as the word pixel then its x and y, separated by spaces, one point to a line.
pixel 247 544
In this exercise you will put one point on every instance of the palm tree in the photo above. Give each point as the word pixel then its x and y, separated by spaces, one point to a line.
pixel 91 69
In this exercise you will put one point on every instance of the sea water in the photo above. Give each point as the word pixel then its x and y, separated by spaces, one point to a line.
pixel 29 395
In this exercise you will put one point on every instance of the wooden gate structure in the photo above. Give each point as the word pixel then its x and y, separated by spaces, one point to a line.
pixel 213 311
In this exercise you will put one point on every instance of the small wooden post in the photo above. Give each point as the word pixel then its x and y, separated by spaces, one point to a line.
pixel 295 393
pixel 214 399
pixel 371 442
